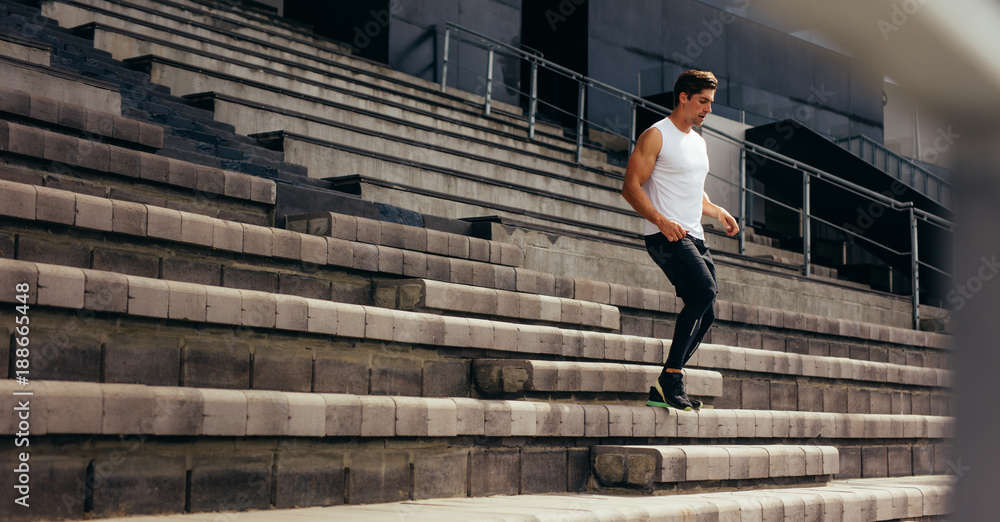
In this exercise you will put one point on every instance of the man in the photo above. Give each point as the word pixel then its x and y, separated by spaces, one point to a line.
pixel 665 183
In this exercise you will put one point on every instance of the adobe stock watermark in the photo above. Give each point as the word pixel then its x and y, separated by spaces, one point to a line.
pixel 714 28
pixel 942 143
pixel 963 293
pixel 364 34
pixel 566 9
pixel 901 13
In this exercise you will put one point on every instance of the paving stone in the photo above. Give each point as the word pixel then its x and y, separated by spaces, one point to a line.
pixel 73 407
pixel 227 235
pixel 267 413
pixel 55 206
pixel 163 223
pixel 344 414
pixel 153 167
pixel 210 180
pixel 123 162
pixel 263 190
pixel 148 297
pixel 366 258
pixel 178 411
pixel 223 305
pixel 378 416
pixel 197 229
pixel 24 140
pixel 257 240
pixel 20 200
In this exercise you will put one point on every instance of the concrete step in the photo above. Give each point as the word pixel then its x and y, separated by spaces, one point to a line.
pixel 60 407
pixel 431 296
pixel 906 498
pixel 296 74
pixel 680 468
pixel 69 151
pixel 425 139
pixel 225 43
pixel 412 238
pixel 60 85
pixel 80 119
pixel 516 376
pixel 23 49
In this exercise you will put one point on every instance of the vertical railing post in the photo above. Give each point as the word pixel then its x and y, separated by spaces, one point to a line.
pixel 743 201
pixel 579 122
pixel 489 81
pixel 533 103
pixel 915 268
pixel 806 225
pixel 632 124
pixel 444 66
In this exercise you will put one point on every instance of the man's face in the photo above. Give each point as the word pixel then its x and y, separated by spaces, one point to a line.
pixel 695 108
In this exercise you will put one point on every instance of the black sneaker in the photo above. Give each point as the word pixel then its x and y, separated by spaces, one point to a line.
pixel 695 403
pixel 668 391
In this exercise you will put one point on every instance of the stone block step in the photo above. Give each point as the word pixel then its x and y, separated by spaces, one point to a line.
pixel 512 376
pixel 427 138
pixel 40 144
pixel 661 467
pixel 26 50
pixel 60 85
pixel 61 407
pixel 396 235
pixel 199 38
pixel 79 118
pixel 861 500
pixel 463 300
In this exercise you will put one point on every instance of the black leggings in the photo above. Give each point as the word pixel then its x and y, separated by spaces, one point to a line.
pixel 689 267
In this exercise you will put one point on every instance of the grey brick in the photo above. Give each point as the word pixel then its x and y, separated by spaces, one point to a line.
pixel 27 141
pixel 880 402
pixel 60 148
pixel 153 360
pixel 263 190
pixel 315 479
pixel 94 156
pixel 154 168
pixel 379 477
pixel 850 463
pixel 124 162
pixel 19 201
pixel 415 264
pixel 211 180
pixel 369 231
pixel 182 173
pixel 366 257
pixel 784 396
pixel 225 482
pixel 900 461
pixel 543 471
pixel 216 363
pixel 874 462
pixel 479 249
pixel 309 287
pixel 94 213
pixel 246 279
pixel 44 109
pixel 395 377
pixel 732 395
pixel 810 397
pixel 335 374
pixel 100 122
pixel 125 129
pixel 858 400
pixel 282 368
pixel 198 272
pixel 390 260
pixel 923 460
pixel 56 501
pixel 756 395
pixel 6 246
pixel 437 242
pixel 236 185
pixel 438 268
pixel 835 399
pixel 461 271
pixel 106 292
pixel 197 229
pixel 458 246
pixel 126 262
pixel 394 234
pixel 497 473
pixel 140 485
pixel 55 206
pixel 577 469
pixel 151 135
pixel 15 101
pixel 128 218
pixel 440 475
pixel 446 379
pixel 60 355
pixel 63 253
pixel 920 404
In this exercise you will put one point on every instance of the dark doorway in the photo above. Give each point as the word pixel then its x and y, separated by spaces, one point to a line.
pixel 362 24
pixel 557 28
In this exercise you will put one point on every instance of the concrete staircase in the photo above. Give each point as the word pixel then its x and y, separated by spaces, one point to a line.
pixel 201 340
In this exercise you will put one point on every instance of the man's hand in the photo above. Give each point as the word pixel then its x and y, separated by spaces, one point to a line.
pixel 727 219
pixel 671 229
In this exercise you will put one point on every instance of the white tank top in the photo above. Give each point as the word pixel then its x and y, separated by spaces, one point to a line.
pixel 677 183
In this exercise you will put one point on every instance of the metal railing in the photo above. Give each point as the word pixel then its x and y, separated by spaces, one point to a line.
pixel 809 173
pixel 900 167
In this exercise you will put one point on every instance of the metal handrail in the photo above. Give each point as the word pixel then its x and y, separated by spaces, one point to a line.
pixel 808 171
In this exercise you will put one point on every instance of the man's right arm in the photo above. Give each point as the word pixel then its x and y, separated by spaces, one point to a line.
pixel 640 168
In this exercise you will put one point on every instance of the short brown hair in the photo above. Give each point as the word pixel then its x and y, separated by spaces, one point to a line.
pixel 692 82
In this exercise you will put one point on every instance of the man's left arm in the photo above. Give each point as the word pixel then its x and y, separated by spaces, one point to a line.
pixel 712 210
